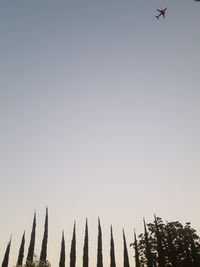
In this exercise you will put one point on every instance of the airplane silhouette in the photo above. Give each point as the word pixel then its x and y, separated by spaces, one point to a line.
pixel 162 13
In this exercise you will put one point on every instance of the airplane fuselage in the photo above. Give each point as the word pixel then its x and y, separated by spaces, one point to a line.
pixel 162 13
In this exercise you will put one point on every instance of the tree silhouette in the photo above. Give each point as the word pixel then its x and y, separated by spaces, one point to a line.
pixel 194 253
pixel 30 255
pixel 135 245
pixel 43 254
pixel 6 256
pixel 180 244
pixel 21 251
pixel 112 249
pixel 161 256
pixel 99 247
pixel 62 252
pixel 85 247
pixel 171 248
pixel 148 250
pixel 73 248
pixel 126 259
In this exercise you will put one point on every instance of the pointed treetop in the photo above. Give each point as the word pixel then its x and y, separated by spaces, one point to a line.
pixel 6 255
pixel 123 233
pixel 112 249
pixel 62 252
pixel 135 235
pixel 21 251
pixel 34 219
pixel 86 225
pixel 99 225
pixel 145 228
pixel 43 253
pixel 126 258
pixel 74 227
pixel 32 241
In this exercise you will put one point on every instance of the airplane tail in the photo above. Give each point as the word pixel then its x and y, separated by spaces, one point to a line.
pixel 157 17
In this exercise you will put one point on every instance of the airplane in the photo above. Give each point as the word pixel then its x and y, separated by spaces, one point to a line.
pixel 162 12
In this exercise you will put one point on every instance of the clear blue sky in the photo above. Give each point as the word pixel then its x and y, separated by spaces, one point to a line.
pixel 99 109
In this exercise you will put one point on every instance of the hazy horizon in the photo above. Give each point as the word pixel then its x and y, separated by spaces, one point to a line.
pixel 99 105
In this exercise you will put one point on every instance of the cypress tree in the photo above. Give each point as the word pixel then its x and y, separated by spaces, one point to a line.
pixel 21 251
pixel 6 255
pixel 137 261
pixel 161 256
pixel 85 247
pixel 29 259
pixel 43 254
pixel 112 249
pixel 62 252
pixel 99 247
pixel 148 250
pixel 126 259
pixel 73 248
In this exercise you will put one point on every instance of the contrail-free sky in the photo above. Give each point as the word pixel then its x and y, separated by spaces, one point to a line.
pixel 99 105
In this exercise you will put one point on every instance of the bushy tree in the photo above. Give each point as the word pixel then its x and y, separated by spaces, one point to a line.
pixel 178 244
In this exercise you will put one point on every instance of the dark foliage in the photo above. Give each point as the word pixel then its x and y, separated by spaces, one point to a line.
pixel 112 249
pixel 21 251
pixel 85 247
pixel 6 256
pixel 62 252
pixel 73 248
pixel 135 244
pixel 171 248
pixel 99 247
pixel 30 255
pixel 147 248
pixel 126 258
pixel 161 256
pixel 178 245
pixel 43 254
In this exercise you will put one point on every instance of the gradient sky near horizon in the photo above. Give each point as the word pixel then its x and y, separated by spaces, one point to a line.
pixel 99 112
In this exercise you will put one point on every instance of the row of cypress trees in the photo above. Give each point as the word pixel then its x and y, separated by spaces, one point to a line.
pixel 159 246
pixel 42 262
pixel 30 255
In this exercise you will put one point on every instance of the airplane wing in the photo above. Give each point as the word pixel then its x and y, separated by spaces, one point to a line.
pixel 158 10
pixel 165 9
